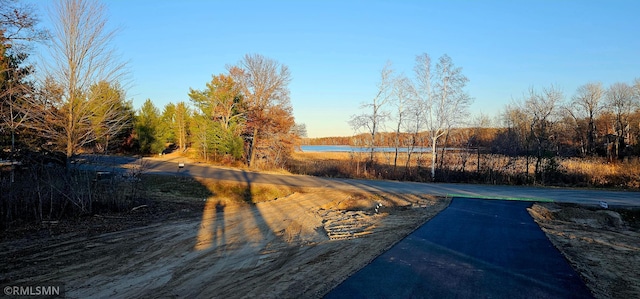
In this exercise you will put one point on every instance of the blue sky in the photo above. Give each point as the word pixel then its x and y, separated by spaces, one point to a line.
pixel 336 49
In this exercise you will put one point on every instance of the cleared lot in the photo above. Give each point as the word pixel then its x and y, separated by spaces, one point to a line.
pixel 280 248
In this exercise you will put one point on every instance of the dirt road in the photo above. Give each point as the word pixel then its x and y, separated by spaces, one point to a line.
pixel 299 246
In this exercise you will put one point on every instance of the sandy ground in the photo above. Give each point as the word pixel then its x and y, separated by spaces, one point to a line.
pixel 300 246
pixel 602 245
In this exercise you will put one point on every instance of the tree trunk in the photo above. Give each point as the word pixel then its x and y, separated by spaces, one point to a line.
pixel 478 148
pixel 252 149
pixel 433 158
pixel 397 145
pixel 69 152
pixel 444 148
pixel 395 161
pixel 373 145
pixel 591 143
pixel 13 141
pixel 407 165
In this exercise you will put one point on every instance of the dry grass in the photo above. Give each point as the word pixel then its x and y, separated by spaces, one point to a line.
pixel 385 158
pixel 354 165
pixel 321 155
pixel 463 167
pixel 600 172
pixel 198 189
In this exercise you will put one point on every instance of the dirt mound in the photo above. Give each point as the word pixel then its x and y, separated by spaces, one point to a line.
pixel 602 245
pixel 599 219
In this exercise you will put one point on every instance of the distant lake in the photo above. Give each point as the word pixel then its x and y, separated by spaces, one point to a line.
pixel 347 148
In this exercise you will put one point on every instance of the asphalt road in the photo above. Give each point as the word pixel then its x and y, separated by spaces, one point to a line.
pixel 475 248
pixel 582 196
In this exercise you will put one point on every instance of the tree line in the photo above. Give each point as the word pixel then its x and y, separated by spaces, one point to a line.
pixel 243 115
pixel 75 102
pixel 431 110
pixel 594 122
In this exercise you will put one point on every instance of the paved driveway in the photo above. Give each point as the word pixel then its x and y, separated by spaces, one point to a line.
pixel 476 248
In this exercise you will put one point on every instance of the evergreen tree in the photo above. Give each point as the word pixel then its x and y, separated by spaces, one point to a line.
pixel 146 129
pixel 218 127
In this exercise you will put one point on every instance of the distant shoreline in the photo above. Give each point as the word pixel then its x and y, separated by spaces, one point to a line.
pixel 359 149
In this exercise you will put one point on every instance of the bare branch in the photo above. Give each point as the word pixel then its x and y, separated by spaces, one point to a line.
pixel 82 93
pixel 374 120
pixel 444 96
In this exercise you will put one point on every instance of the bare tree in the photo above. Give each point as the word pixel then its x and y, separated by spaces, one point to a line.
pixel 622 102
pixel 18 30
pixel 403 97
pixel 13 90
pixel 12 93
pixel 414 125
pixel 300 130
pixel 480 138
pixel 18 24
pixel 445 98
pixel 471 138
pixel 81 56
pixel 264 85
pixel 517 121
pixel 375 119
pixel 542 109
pixel 587 104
